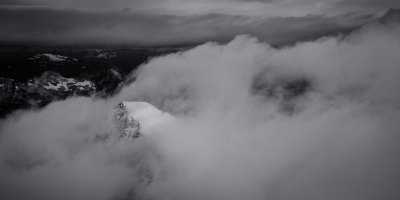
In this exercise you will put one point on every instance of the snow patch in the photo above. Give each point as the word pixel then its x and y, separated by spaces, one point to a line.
pixel 52 57
pixel 67 84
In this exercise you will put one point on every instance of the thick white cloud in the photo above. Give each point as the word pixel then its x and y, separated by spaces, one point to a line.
pixel 229 141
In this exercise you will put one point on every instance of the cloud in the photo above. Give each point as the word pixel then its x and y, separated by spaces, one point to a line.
pixel 231 140
pixel 51 26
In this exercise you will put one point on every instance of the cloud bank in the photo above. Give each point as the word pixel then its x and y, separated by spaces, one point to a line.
pixel 60 26
pixel 270 8
pixel 234 137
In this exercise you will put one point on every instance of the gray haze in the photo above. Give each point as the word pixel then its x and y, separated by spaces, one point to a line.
pixel 340 140
pixel 48 26
pixel 180 22
pixel 245 7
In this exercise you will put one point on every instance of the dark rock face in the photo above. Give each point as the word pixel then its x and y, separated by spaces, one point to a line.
pixel 38 92
pixel 391 16
pixel 284 91
pixel 127 127
pixel 8 94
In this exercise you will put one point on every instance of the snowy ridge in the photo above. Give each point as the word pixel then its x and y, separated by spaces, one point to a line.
pixel 68 84
pixel 51 57
pixel 56 82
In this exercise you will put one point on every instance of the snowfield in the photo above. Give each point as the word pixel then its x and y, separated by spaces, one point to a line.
pixel 51 57
pixel 66 83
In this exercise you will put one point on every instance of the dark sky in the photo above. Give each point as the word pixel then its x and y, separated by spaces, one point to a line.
pixel 179 22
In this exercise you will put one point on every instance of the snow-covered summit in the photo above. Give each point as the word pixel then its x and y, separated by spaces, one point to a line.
pixel 137 118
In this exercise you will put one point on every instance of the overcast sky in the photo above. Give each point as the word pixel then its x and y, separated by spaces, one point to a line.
pixel 235 7
pixel 180 22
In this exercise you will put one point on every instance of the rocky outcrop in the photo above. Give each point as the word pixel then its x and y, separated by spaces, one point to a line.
pixel 38 92
pixel 134 119
pixel 127 126
pixel 391 16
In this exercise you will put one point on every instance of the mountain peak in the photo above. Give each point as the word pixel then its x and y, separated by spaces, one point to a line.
pixel 137 118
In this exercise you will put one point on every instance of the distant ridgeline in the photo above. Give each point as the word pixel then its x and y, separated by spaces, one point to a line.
pixel 32 77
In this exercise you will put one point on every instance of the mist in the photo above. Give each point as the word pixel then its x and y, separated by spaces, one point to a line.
pixel 241 131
